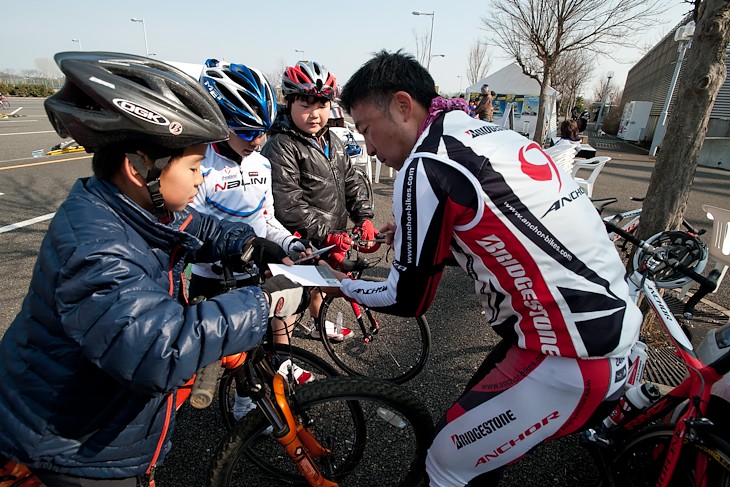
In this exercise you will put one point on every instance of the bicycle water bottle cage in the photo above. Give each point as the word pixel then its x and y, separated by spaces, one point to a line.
pixel 671 247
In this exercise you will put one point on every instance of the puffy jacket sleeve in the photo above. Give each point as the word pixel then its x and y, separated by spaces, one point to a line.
pixel 112 301
pixel 220 237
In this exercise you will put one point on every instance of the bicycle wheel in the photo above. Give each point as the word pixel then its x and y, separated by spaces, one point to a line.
pixel 392 347
pixel 365 187
pixel 378 434
pixel 299 357
pixel 639 461
pixel 6 105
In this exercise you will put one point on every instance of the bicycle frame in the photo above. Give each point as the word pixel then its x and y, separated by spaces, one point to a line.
pixel 696 388
pixel 252 379
pixel 634 217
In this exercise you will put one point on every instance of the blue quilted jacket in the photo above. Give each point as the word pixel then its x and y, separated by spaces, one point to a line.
pixel 89 367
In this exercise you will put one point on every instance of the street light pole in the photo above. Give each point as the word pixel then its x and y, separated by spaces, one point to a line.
pixel 430 37
pixel 460 80
pixel 144 30
pixel 79 42
pixel 599 119
pixel 300 51
pixel 684 36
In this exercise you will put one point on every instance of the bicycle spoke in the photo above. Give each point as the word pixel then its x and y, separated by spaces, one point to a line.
pixel 396 350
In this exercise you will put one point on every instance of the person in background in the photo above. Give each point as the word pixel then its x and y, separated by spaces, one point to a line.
pixel 314 182
pixel 583 120
pixel 91 366
pixel 237 187
pixel 557 297
pixel 569 134
pixel 485 107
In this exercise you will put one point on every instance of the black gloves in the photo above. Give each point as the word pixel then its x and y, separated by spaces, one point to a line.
pixel 286 297
pixel 257 250
pixel 296 247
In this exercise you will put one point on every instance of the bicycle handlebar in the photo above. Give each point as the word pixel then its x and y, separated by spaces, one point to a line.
pixel 707 284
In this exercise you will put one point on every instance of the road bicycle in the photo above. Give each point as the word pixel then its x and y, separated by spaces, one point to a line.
pixel 628 221
pixel 678 439
pixel 330 432
pixel 384 346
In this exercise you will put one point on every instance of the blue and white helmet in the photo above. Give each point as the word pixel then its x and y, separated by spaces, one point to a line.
pixel 246 98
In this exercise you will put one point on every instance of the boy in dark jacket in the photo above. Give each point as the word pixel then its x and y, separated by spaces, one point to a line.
pixel 90 366
pixel 313 180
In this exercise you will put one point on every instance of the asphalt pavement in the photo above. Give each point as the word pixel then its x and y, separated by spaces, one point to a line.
pixel 34 187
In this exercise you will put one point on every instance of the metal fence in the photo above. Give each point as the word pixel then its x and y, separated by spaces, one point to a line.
pixel 10 79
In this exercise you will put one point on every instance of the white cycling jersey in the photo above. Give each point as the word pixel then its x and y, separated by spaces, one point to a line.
pixel 242 193
pixel 548 277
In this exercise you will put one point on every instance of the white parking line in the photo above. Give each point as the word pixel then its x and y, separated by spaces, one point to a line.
pixel 31 133
pixel 14 226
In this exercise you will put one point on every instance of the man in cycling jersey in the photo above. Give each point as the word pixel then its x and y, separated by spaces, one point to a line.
pixel 549 280
pixel 91 366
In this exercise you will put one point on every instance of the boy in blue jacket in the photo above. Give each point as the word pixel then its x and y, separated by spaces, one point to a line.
pixel 90 366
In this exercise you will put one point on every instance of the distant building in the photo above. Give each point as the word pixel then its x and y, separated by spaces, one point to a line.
pixel 649 80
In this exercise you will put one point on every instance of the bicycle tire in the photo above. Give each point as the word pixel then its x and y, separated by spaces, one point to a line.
pixel 6 105
pixel 397 352
pixel 640 459
pixel 346 415
pixel 303 358
pixel 366 188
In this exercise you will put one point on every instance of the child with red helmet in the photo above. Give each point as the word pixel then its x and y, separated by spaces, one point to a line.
pixel 313 179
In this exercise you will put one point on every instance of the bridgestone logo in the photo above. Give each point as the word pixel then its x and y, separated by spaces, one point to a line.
pixel 140 112
pixel 482 430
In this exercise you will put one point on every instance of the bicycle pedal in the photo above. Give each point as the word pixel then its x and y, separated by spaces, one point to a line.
pixel 307 329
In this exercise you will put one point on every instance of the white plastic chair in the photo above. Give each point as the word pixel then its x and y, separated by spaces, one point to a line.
pixel 594 164
pixel 563 155
pixel 719 246
pixel 362 159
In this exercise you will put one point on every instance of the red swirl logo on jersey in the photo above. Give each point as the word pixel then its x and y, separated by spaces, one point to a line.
pixel 537 164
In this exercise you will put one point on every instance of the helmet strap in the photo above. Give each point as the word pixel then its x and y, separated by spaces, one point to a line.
pixel 151 171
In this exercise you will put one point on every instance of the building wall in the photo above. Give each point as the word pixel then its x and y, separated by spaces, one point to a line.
pixel 649 80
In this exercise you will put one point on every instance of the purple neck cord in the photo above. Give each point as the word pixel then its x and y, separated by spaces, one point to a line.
pixel 441 105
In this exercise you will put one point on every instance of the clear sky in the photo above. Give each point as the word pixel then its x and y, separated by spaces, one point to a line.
pixel 339 34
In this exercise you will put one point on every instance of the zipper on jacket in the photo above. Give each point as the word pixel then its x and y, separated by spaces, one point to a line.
pixel 168 409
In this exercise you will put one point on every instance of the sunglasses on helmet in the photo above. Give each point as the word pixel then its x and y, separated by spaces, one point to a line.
pixel 324 91
pixel 249 135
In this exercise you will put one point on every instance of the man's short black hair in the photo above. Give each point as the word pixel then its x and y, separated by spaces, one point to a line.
pixel 385 74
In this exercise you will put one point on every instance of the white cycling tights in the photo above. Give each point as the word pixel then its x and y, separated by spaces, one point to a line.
pixel 517 400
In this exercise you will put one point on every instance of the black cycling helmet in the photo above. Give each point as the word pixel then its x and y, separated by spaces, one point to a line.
pixel 109 98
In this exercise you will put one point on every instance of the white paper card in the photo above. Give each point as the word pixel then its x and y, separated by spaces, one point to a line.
pixel 307 275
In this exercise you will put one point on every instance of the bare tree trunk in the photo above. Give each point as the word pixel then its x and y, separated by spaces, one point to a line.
pixel 703 75
pixel 540 123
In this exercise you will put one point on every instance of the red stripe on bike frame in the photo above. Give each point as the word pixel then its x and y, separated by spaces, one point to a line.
pixel 491 225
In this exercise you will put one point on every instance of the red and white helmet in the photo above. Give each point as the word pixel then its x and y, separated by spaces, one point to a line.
pixel 309 78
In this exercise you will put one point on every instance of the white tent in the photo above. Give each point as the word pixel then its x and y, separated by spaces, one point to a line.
pixel 510 80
